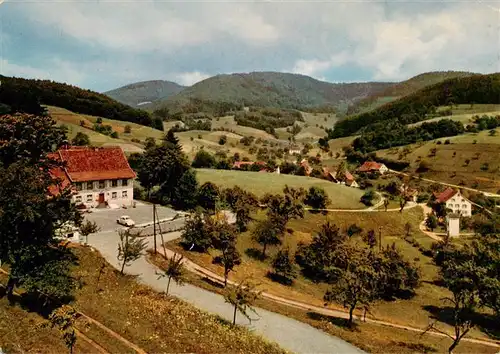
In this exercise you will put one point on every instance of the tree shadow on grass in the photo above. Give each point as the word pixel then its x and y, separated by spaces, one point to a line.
pixel 487 323
pixel 33 302
pixel 213 282
pixel 279 279
pixel 417 347
pixel 255 254
pixel 336 321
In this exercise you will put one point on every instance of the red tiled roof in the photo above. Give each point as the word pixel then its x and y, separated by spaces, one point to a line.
pixel 92 164
pixel 370 166
pixel 238 164
pixel 348 176
pixel 446 195
pixel 62 179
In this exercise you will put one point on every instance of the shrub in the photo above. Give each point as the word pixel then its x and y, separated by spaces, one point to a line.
pixel 203 159
pixel 316 198
pixel 367 198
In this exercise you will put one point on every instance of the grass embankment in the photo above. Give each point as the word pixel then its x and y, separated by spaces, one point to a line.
pixel 414 312
pixel 342 197
pixel 470 160
pixel 151 320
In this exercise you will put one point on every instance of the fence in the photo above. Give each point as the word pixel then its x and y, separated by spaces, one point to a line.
pixel 163 226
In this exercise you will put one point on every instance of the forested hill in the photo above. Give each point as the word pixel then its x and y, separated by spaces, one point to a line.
pixel 479 89
pixel 268 89
pixel 142 93
pixel 403 89
pixel 26 95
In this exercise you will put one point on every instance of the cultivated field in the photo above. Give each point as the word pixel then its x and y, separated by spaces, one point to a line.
pixel 261 183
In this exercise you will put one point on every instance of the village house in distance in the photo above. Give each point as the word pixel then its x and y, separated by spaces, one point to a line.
pixel 99 177
pixel 455 201
pixel 372 166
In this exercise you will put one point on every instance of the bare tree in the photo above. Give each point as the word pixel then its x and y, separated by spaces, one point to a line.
pixel 175 270
pixel 130 248
pixel 242 297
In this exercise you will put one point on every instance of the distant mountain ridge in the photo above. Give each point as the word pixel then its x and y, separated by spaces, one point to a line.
pixel 140 94
pixel 269 89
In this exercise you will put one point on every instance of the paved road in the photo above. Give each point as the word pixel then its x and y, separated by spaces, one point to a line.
pixel 290 334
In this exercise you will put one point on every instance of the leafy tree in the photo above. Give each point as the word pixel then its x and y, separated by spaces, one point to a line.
pixel 99 120
pixel 222 140
pixel 204 159
pixel 318 257
pixel 174 270
pixel 64 319
pixel 266 233
pixel 242 203
pixel 386 203
pixel 431 222
pixel 242 298
pixel 229 259
pixel 196 235
pixel 87 228
pixel 283 266
pixel 280 209
pixel 33 206
pixel 317 198
pixel 81 139
pixel 185 193
pixel 127 129
pixel 130 248
pixel 208 196
pixel 367 198
pixel 356 281
pixel 408 229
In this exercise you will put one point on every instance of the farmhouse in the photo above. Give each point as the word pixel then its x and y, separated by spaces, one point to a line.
pixel 455 201
pixel 372 166
pixel 99 177
pixel 294 150
pixel 408 193
pixel 340 177
pixel 307 168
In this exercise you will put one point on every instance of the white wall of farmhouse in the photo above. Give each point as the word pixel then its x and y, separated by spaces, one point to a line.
pixel 458 204
pixel 93 193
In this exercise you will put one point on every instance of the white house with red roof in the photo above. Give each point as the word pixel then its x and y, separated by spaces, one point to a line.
pixel 98 176
pixel 455 201
pixel 372 166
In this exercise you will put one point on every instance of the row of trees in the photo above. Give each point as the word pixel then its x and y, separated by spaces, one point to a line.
pixel 25 95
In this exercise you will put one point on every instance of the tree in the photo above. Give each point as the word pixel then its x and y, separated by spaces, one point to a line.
pixel 174 270
pixel 242 298
pixel 266 233
pixel 242 203
pixel 87 228
pixel 317 198
pixel 64 318
pixel 222 140
pixel 283 266
pixel 370 238
pixel 356 281
pixel 127 129
pixel 353 229
pixel 408 229
pixel 81 139
pixel 114 135
pixel 280 209
pixel 195 235
pixel 185 193
pixel 130 248
pixel 229 259
pixel 208 196
pixel 431 222
pixel 204 159
pixel 33 206
pixel 386 203
pixel 99 120
pixel 367 198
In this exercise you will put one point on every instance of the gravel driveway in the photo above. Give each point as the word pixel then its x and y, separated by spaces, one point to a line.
pixel 290 334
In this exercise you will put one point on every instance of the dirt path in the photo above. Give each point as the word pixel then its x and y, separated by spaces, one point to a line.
pixel 112 333
pixel 193 267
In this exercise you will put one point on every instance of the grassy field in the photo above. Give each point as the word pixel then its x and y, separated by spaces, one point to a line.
pixel 262 183
pixel 414 312
pixel 313 127
pixel 470 160
pixel 153 321
pixel 464 118
pixel 229 123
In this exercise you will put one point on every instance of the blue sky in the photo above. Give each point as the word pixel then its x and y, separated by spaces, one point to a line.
pixel 102 45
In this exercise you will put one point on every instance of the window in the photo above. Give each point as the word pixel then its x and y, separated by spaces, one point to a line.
pixel 113 195
pixel 114 183
pixel 453 200
pixel 89 197
pixel 464 206
pixel 124 194
pixel 78 186
pixel 78 198
pixel 457 205
pixel 102 184
pixel 90 185
pixel 124 182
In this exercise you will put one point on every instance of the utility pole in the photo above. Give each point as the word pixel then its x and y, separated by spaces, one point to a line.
pixel 154 225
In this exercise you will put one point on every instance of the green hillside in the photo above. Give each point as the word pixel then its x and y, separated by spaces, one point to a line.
pixel 139 93
pixel 266 89
pixel 403 89
pixel 423 104
pixel 26 95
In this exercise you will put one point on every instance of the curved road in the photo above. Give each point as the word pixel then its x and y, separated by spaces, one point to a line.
pixel 290 334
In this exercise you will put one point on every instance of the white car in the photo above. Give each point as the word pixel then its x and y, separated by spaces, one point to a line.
pixel 125 220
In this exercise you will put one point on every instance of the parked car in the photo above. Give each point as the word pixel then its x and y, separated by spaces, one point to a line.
pixel 125 220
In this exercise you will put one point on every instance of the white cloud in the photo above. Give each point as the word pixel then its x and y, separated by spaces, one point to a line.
pixel 190 78
pixel 57 70
pixel 310 67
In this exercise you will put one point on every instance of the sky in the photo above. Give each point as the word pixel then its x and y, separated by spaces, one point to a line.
pixel 101 45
